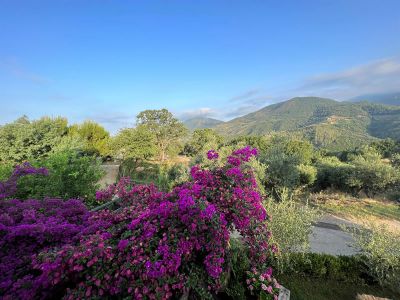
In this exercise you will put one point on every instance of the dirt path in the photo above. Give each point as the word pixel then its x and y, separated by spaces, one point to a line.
pixel 327 237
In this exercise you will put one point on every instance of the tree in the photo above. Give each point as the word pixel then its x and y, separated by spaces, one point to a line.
pixel 94 136
pixel 371 174
pixel 288 164
pixel 23 140
pixel 166 129
pixel 259 142
pixel 71 175
pixel 136 143
pixel 202 140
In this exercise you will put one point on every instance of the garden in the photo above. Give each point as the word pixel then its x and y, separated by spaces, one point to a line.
pixel 186 222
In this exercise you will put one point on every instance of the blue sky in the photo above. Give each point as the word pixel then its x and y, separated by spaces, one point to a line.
pixel 108 60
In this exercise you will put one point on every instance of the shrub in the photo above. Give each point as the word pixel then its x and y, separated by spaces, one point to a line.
pixel 371 174
pixel 9 187
pixel 71 175
pixel 382 253
pixel 30 226
pixel 316 265
pixel 161 245
pixel 332 173
pixel 290 225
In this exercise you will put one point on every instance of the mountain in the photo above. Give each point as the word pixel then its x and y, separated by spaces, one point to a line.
pixel 201 122
pixel 325 122
pixel 384 98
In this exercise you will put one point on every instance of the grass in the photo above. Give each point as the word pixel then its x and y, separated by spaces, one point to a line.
pixel 303 288
pixel 359 209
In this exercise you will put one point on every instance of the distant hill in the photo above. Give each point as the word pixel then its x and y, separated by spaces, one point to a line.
pixel 201 122
pixel 325 122
pixel 384 98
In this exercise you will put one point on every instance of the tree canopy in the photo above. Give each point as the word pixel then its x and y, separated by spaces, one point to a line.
pixel 24 139
pixel 94 136
pixel 136 143
pixel 165 127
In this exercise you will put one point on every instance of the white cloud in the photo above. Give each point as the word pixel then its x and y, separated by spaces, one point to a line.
pixel 199 112
pixel 379 76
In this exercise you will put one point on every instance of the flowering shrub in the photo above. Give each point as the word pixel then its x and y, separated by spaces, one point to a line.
pixel 30 226
pixel 9 187
pixel 157 245
pixel 159 241
pixel 263 284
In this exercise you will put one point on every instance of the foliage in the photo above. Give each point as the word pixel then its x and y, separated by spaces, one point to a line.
pixel 94 136
pixel 135 143
pixel 387 147
pixel 325 123
pixel 164 176
pixel 290 226
pixel 9 187
pixel 311 288
pixel 23 139
pixel 333 173
pixel 30 226
pixel 382 250
pixel 239 264
pixel 288 164
pixel 166 129
pixel 157 245
pixel 342 268
pixel 259 142
pixel 263 284
pixel 71 175
pixel 201 123
pixel 201 140
pixel 371 174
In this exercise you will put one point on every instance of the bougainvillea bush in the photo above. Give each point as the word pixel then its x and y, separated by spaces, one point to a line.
pixel 161 245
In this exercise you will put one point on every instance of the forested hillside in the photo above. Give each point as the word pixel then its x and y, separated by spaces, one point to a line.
pixel 325 122
pixel 201 122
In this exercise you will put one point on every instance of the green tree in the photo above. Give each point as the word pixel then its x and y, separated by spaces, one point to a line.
pixel 371 174
pixel 94 135
pixel 387 147
pixel 201 141
pixel 333 173
pixel 136 143
pixel 71 175
pixel 23 140
pixel 166 129
pixel 288 164
pixel 259 142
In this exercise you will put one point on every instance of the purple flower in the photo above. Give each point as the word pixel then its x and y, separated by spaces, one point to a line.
pixel 122 244
pixel 212 154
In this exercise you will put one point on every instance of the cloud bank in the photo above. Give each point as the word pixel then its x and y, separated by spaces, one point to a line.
pixel 381 76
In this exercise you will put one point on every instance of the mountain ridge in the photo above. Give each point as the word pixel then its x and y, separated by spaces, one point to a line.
pixel 201 122
pixel 325 122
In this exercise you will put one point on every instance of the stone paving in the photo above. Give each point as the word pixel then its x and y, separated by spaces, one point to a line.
pixel 328 237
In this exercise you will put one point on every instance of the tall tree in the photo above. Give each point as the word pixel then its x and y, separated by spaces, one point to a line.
pixel 22 139
pixel 202 140
pixel 165 127
pixel 136 143
pixel 94 136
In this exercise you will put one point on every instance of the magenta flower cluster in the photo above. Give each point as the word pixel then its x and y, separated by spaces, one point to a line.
pixel 31 226
pixel 147 248
pixel 212 154
pixel 9 187
pixel 263 284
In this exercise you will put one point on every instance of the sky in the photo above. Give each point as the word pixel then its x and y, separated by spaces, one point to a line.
pixel 108 60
